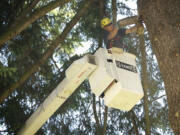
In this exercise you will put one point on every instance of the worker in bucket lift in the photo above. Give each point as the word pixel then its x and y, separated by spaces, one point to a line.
pixel 113 35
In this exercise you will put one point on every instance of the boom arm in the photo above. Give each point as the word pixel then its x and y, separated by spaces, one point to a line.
pixel 75 75
pixel 112 73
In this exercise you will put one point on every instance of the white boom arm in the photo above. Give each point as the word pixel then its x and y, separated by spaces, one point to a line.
pixel 81 68
pixel 112 73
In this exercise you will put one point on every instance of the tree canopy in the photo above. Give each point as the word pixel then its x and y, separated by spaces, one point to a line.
pixel 38 39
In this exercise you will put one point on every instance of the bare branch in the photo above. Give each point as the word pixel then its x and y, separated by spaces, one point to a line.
pixel 27 11
pixel 13 31
pixel 59 40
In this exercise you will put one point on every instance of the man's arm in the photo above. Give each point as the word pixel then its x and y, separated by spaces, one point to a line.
pixel 113 33
pixel 127 21
pixel 131 30
pixel 139 29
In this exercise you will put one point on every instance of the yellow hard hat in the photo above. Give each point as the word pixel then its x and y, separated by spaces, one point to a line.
pixel 105 21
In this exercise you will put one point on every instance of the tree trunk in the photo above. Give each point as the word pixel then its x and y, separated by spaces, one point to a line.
pixel 98 126
pixel 101 15
pixel 48 53
pixel 114 11
pixel 162 19
pixel 105 120
pixel 133 118
pixel 25 22
pixel 145 83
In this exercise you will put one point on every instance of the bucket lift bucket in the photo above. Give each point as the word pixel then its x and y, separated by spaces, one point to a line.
pixel 117 78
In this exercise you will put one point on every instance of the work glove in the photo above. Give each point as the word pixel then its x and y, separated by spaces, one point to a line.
pixel 116 50
pixel 140 29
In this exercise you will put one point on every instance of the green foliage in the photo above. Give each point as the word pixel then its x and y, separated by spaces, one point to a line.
pixel 5 71
pixel 75 116
pixel 13 115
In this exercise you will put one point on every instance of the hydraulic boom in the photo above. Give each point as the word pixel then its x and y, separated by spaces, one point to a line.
pixel 112 75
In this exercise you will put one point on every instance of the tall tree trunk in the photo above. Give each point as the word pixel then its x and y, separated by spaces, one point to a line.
pixel 114 11
pixel 101 8
pixel 101 15
pixel 145 83
pixel 25 22
pixel 48 53
pixel 105 120
pixel 98 126
pixel 135 126
pixel 162 19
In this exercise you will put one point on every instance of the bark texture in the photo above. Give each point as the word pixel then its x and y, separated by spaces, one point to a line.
pixel 101 15
pixel 49 52
pixel 114 11
pixel 145 83
pixel 25 22
pixel 162 19
pixel 98 125
pixel 133 119
pixel 27 11
pixel 105 120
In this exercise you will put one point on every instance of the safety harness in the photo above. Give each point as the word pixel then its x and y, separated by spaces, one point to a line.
pixel 111 42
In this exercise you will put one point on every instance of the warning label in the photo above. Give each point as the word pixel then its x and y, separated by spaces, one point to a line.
pixel 126 66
